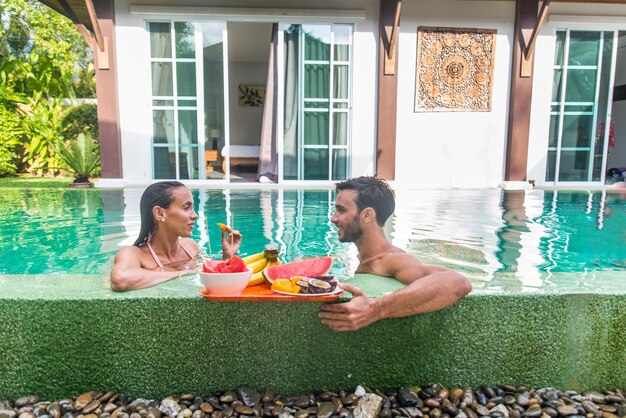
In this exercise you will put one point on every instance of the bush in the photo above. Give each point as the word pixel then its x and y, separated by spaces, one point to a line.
pixel 79 119
pixel 10 139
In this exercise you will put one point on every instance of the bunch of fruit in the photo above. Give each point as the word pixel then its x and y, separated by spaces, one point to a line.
pixel 261 261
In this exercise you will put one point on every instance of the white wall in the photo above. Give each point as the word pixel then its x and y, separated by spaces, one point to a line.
pixel 453 149
pixel 245 122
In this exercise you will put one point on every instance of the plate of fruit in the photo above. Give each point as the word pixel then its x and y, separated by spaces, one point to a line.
pixel 307 286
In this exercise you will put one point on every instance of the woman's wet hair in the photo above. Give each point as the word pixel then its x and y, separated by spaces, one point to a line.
pixel 372 193
pixel 157 194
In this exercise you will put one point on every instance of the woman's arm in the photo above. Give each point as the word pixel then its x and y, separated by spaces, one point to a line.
pixel 128 274
pixel 231 241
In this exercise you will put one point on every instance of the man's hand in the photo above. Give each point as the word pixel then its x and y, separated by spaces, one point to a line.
pixel 359 312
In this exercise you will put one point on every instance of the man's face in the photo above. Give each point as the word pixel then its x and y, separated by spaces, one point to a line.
pixel 346 217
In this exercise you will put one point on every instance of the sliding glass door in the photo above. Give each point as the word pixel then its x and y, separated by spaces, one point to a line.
pixel 583 70
pixel 187 64
pixel 317 90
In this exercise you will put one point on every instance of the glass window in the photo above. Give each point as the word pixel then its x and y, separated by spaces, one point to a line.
pixel 185 40
pixel 316 164
pixel 164 162
pixel 576 131
pixel 340 82
pixel 560 44
pixel 340 164
pixel 340 128
pixel 187 127
pixel 317 42
pixel 163 127
pixel 160 40
pixel 584 48
pixel 573 165
pixel 316 128
pixel 581 85
pixel 162 79
pixel 316 81
pixel 186 78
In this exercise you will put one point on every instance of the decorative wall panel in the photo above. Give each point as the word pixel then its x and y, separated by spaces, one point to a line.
pixel 454 69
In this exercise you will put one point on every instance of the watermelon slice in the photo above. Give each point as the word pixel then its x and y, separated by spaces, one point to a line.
pixel 232 265
pixel 309 268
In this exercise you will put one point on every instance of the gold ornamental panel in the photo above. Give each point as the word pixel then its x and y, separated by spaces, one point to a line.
pixel 454 69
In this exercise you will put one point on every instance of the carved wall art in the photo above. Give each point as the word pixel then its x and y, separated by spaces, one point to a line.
pixel 454 69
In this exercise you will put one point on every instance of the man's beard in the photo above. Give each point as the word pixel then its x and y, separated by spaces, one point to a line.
pixel 352 231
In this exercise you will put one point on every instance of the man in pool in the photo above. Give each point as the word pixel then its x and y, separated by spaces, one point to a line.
pixel 362 207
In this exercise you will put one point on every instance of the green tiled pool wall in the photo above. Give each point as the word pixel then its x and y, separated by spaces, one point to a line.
pixel 155 346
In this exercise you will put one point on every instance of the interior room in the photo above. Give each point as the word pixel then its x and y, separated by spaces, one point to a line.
pixel 616 158
pixel 248 57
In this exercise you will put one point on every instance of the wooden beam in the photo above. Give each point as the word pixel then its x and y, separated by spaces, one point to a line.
pixel 387 94
pixel 82 29
pixel 529 44
pixel 102 42
pixel 520 97
pixel 390 61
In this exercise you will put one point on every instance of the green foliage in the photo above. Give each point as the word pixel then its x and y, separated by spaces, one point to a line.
pixel 80 156
pixel 10 131
pixel 42 51
pixel 79 119
pixel 42 128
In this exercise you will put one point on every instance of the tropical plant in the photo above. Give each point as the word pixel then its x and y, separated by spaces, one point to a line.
pixel 80 157
pixel 41 122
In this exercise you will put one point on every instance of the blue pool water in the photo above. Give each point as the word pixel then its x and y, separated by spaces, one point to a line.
pixel 527 240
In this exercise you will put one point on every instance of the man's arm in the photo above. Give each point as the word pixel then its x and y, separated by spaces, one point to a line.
pixel 429 288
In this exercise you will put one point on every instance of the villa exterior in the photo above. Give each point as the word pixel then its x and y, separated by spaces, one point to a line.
pixel 429 93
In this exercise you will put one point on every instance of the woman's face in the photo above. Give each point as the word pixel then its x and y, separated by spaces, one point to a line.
pixel 180 217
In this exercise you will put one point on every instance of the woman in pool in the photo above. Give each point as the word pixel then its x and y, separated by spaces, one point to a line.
pixel 163 249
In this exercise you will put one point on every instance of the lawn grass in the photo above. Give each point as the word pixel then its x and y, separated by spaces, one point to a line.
pixel 35 182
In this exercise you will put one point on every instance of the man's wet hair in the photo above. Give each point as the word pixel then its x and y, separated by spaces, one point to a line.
pixel 372 193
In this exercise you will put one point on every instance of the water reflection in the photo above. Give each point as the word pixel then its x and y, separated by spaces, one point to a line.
pixel 524 240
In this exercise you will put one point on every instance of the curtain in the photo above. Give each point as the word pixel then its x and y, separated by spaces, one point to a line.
pixel 268 155
pixel 290 151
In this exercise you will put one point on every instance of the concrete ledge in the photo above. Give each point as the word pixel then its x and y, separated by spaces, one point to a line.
pixel 65 335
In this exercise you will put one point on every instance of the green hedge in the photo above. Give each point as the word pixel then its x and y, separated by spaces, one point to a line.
pixel 10 139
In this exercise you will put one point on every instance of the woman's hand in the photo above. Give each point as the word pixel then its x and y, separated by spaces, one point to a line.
pixel 231 240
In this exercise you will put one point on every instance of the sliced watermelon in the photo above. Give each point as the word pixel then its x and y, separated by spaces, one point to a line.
pixel 312 267
pixel 210 266
pixel 232 265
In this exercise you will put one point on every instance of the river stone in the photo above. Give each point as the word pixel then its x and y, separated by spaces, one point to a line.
pixel 169 407
pixel 244 409
pixel 608 415
pixel 205 407
pixel 443 393
pixel 566 410
pixel 109 408
pixel 521 399
pixel 368 407
pixel 551 412
pixel 448 408
pixel 481 398
pixel 185 413
pixel 25 400
pixel 135 415
pixel 7 413
pixel 82 401
pixel 408 397
pixel 250 397
pixel 92 406
pixel 456 394
pixel 39 410
pixel 90 416
pixel 499 411
pixel 621 411
pixel 608 408
pixel 285 415
pixel 468 398
pixel 302 413
pixel 360 391
pixel 595 397
pixel 108 396
pixel 481 410
pixel 431 403
pixel 198 414
pixel 469 413
pixel 614 398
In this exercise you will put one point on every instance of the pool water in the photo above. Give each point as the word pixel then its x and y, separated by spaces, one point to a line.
pixel 520 240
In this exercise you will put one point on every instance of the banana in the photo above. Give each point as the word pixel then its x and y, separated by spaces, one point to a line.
pixel 254 257
pixel 258 266
pixel 256 278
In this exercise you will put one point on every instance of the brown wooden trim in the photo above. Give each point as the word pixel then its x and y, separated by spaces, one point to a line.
pixel 520 96
pixel 106 88
pixel 529 46
pixel 390 56
pixel 619 93
pixel 387 96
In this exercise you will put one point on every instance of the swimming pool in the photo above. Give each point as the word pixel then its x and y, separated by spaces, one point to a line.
pixel 518 241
